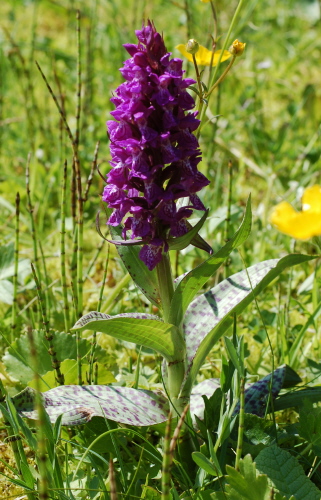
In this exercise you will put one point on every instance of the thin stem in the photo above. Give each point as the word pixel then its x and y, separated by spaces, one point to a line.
pixel 112 480
pixel 79 199
pixel 228 215
pixel 166 478
pixel 226 41
pixel 239 445
pixel 48 335
pixel 94 339
pixel 223 75
pixel 46 277
pixel 41 454
pixel 199 84
pixel 15 276
pixel 91 174
pixel 63 250
pixel 214 40
pixel 30 210
pixel 78 108
pixel 188 19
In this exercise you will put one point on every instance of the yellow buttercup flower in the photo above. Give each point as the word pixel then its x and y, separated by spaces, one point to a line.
pixel 205 1
pixel 237 48
pixel 300 225
pixel 203 56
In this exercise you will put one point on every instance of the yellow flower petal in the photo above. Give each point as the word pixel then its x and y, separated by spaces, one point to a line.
pixel 203 56
pixel 299 225
pixel 205 1
pixel 311 199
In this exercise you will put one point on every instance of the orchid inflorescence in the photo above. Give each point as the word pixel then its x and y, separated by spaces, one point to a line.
pixel 154 152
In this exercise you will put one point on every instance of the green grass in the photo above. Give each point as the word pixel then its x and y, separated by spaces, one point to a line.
pixel 269 127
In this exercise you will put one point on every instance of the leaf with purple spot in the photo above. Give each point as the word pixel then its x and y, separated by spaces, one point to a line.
pixel 256 394
pixel 78 404
pixel 211 314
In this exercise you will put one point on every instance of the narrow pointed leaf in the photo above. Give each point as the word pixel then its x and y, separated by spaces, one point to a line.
pixel 202 461
pixel 142 329
pixel 211 314
pixel 200 243
pixel 296 398
pixel 78 404
pixel 195 279
pixel 183 241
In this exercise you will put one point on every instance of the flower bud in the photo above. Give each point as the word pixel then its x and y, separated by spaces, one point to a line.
pixel 192 46
pixel 237 48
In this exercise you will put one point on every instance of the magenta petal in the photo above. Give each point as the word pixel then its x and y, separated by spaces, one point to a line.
pixel 151 255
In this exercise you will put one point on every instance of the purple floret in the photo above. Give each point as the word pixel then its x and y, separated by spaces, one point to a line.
pixel 154 152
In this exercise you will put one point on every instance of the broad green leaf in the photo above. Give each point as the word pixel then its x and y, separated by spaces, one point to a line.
pixel 17 357
pixel 78 404
pixel 146 280
pixel 183 241
pixel 69 368
pixel 193 281
pixel 245 484
pixel 286 474
pixel 202 461
pixel 142 329
pixel 258 430
pixel 210 315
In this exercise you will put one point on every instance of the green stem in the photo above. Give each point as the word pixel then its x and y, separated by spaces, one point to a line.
pixel 94 339
pixel 221 78
pixel 214 42
pixel 41 454
pixel 30 210
pixel 78 108
pixel 228 215
pixel 166 477
pixel 199 84
pixel 166 284
pixel 48 335
pixel 15 276
pixel 226 41
pixel 239 445
pixel 63 250
pixel 176 367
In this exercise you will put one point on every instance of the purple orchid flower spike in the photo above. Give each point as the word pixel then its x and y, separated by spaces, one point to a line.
pixel 154 152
